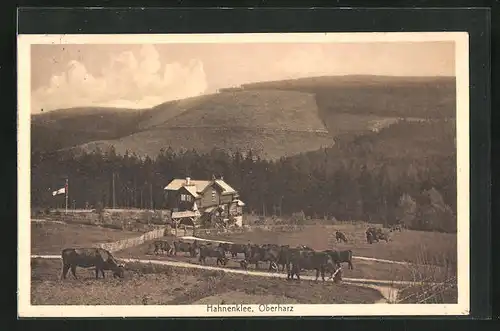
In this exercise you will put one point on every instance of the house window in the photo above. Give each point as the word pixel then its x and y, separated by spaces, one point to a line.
pixel 213 196
pixel 186 197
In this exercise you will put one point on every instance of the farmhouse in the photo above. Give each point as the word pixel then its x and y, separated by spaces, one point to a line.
pixel 204 200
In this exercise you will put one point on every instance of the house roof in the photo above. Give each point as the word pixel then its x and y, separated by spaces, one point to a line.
pixel 198 186
pixel 192 190
pixel 176 184
pixel 225 187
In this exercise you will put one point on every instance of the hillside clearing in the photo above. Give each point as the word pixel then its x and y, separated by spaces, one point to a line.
pixel 269 144
pixel 152 284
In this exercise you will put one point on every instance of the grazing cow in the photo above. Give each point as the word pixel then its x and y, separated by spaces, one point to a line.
pixel 340 236
pixel 162 246
pixel 310 260
pixel 340 257
pixel 370 237
pixel 99 258
pixel 237 248
pixel 267 253
pixel 225 246
pixel 181 246
pixel 376 234
pixel 218 252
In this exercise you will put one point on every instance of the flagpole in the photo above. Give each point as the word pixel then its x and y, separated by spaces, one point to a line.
pixel 66 192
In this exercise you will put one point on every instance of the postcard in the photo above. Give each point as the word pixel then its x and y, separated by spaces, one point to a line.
pixel 219 175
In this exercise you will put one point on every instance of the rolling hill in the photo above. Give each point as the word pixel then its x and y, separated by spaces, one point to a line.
pixel 379 97
pixel 276 119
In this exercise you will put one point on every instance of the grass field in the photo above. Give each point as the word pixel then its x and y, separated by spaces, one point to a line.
pixel 436 252
pixel 429 294
pixel 155 285
pixel 51 238
pixel 409 246
pixel 152 284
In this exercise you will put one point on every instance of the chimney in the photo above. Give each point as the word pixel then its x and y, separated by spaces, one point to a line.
pixel 188 181
pixel 221 177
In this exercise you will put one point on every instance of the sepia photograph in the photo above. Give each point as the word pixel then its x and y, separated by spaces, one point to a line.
pixel 311 174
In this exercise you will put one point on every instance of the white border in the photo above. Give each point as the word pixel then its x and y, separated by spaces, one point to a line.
pixel 25 309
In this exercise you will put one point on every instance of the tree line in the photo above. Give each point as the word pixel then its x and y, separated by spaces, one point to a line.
pixel 356 179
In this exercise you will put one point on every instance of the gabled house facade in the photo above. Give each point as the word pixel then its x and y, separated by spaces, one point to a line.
pixel 208 197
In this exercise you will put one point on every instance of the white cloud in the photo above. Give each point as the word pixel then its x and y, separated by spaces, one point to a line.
pixel 128 80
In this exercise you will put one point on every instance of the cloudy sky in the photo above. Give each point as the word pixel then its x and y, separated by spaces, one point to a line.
pixel 141 76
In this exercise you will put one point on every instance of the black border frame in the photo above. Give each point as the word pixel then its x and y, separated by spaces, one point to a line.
pixel 476 21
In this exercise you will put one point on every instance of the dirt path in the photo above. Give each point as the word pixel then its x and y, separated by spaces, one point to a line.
pixel 385 287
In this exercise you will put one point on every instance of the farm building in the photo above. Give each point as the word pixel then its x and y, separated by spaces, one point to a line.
pixel 204 201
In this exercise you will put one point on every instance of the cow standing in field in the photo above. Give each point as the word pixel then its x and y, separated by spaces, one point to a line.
pixel 375 235
pixel 160 246
pixel 267 253
pixel 283 256
pixel 309 260
pixel 226 247
pixel 237 248
pixel 340 236
pixel 99 258
pixel 340 257
pixel 181 246
pixel 218 252
pixel 371 235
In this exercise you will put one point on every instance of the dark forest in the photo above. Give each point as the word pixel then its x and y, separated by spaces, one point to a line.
pixel 406 172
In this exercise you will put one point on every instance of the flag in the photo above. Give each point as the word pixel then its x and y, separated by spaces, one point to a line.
pixel 63 190
pixel 59 191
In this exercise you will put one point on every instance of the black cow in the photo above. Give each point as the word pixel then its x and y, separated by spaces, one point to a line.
pixel 267 253
pixel 309 260
pixel 340 236
pixel 283 256
pixel 99 258
pixel 237 248
pixel 181 246
pixel 376 234
pixel 340 257
pixel 218 252
pixel 225 246
pixel 160 246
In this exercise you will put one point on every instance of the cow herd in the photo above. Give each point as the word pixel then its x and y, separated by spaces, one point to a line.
pixel 278 257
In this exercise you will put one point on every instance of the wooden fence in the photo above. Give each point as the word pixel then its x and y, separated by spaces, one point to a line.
pixel 132 242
